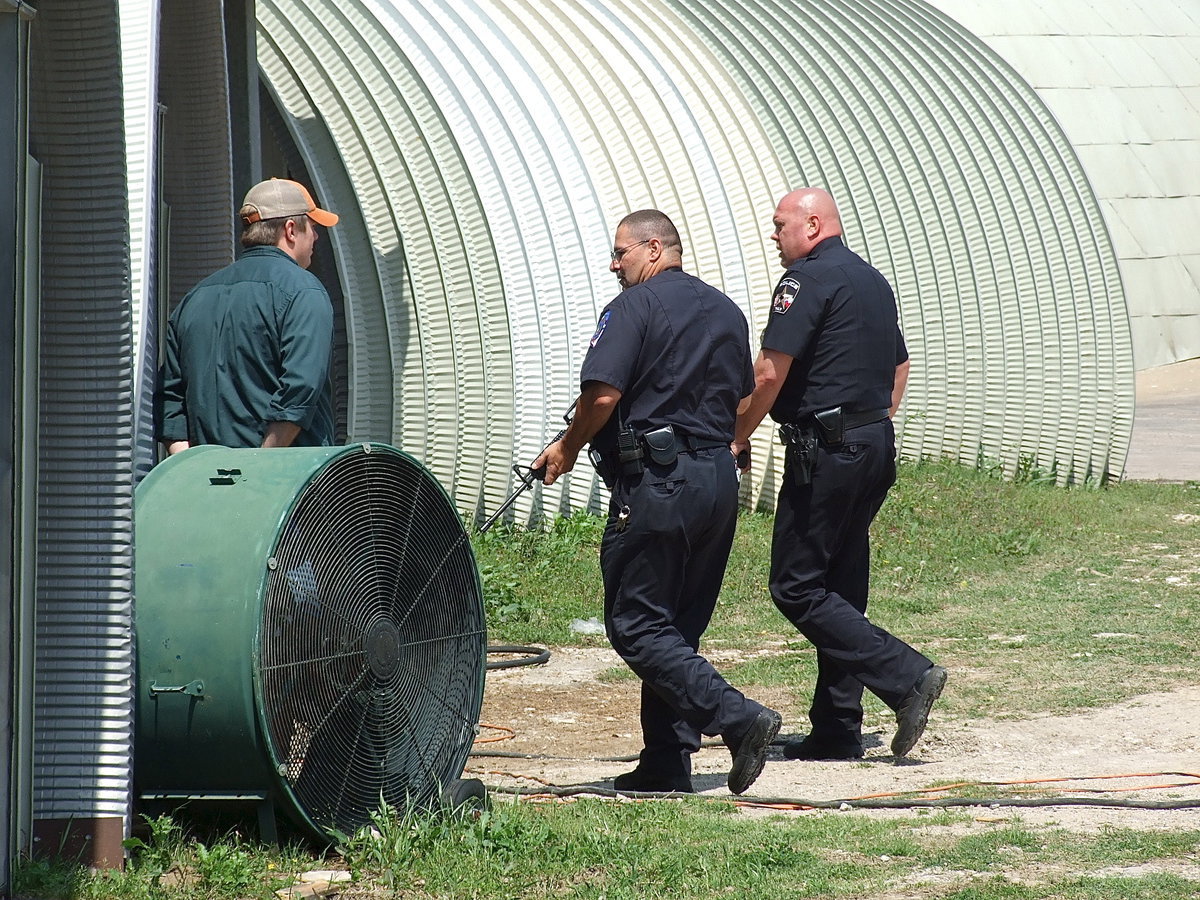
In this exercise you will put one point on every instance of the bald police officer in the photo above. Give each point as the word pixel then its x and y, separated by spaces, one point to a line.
pixel 668 365
pixel 832 371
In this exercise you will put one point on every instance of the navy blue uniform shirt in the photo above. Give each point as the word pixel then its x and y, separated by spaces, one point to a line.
pixel 836 315
pixel 678 350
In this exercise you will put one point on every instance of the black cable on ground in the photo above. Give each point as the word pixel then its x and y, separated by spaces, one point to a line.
pixel 632 757
pixel 534 656
pixel 506 754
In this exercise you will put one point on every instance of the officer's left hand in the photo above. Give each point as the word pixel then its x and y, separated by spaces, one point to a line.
pixel 741 454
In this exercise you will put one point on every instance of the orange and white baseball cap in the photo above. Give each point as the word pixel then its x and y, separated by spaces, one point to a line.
pixel 279 198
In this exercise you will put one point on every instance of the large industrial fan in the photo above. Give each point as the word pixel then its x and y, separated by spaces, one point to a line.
pixel 310 632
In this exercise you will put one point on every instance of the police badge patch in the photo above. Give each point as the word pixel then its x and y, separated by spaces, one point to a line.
pixel 785 295
pixel 600 327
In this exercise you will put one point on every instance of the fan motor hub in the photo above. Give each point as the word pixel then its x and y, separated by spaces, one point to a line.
pixel 383 648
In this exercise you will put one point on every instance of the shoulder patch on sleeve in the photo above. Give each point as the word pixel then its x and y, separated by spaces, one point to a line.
pixel 600 327
pixel 785 295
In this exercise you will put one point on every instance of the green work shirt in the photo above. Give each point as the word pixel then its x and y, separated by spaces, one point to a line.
pixel 249 345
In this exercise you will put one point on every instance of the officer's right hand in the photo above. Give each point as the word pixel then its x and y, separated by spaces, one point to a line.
pixel 556 461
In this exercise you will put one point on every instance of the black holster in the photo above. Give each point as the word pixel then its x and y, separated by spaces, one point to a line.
pixel 661 445
pixel 801 445
pixel 832 424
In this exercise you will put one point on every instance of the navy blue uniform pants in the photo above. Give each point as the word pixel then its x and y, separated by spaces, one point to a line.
pixel 820 572
pixel 662 575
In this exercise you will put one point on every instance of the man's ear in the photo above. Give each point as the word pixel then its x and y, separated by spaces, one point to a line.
pixel 289 232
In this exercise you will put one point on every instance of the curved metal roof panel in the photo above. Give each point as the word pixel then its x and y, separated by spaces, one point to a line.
pixel 485 151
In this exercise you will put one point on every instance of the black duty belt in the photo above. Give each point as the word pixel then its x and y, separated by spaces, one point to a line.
pixel 690 442
pixel 830 425
pixel 660 445
pixel 855 419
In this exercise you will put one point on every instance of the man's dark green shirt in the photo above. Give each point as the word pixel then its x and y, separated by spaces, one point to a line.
pixel 249 345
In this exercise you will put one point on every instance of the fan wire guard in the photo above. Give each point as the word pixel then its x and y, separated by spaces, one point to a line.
pixel 372 641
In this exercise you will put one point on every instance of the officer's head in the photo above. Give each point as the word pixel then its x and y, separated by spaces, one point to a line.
pixel 803 219
pixel 646 242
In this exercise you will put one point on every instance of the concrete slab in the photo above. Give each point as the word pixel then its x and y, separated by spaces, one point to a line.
pixel 1165 445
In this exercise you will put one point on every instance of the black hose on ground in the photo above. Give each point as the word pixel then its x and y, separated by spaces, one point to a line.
pixel 533 656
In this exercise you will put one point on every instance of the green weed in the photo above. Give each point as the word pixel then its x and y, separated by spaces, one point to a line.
pixel 168 865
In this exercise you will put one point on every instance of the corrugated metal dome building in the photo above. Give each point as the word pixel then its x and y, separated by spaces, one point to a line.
pixel 484 151
pixel 480 153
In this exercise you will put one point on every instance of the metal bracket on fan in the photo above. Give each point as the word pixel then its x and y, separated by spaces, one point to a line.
pixel 192 688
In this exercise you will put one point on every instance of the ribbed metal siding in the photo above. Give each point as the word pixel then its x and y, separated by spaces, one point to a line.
pixel 193 86
pixel 84 660
pixel 139 70
pixel 14 491
pixel 955 180
pixel 421 222
pixel 493 145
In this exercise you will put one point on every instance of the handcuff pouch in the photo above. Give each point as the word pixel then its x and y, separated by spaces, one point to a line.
pixel 660 444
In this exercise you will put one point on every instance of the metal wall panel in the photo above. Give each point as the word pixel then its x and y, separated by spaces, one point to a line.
pixel 196 161
pixel 139 70
pixel 1123 79
pixel 14 635
pixel 84 660
pixel 491 146
pixel 25 524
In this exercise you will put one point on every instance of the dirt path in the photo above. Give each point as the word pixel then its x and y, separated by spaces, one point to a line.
pixel 562 710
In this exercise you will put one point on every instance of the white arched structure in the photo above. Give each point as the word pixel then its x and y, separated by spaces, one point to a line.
pixel 1124 81
pixel 481 153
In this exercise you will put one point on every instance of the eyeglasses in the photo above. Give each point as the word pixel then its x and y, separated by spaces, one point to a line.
pixel 617 254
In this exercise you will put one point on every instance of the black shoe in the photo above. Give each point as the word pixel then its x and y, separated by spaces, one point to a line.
pixel 750 751
pixel 913 714
pixel 822 748
pixel 653 782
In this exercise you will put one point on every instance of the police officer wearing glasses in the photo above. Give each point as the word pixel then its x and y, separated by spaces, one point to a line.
pixel 831 372
pixel 661 384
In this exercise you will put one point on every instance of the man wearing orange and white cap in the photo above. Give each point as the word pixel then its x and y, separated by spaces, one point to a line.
pixel 249 348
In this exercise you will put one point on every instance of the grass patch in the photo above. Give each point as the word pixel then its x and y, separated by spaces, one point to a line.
pixel 169 863
pixel 536 582
pixel 1038 598
pixel 691 848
